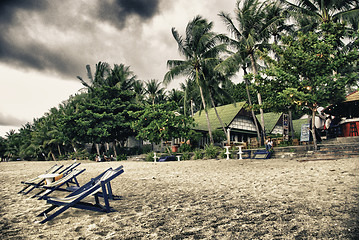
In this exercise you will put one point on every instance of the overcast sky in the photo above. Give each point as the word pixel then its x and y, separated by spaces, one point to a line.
pixel 45 44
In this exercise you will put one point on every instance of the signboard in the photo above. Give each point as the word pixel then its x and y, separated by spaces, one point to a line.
pixel 305 133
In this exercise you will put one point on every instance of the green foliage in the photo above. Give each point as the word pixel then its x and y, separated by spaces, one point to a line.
pixel 308 72
pixel 121 157
pixel 197 154
pixel 223 154
pixel 184 148
pixel 104 117
pixel 149 157
pixel 185 156
pixel 218 135
pixel 211 151
pixel 160 122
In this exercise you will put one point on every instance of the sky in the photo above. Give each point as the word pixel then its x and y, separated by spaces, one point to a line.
pixel 45 45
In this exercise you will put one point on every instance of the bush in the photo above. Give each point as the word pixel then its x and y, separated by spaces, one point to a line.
pixel 218 135
pixel 184 148
pixel 197 154
pixel 121 157
pixel 223 154
pixel 210 151
pixel 186 156
pixel 149 157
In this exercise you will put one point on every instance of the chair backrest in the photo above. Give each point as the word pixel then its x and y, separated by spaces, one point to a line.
pixel 70 167
pixel 66 178
pixel 94 185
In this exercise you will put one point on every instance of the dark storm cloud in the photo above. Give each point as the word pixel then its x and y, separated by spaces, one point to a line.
pixel 21 48
pixel 117 11
pixel 8 8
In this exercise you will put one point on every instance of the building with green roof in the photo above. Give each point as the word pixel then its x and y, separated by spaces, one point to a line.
pixel 238 121
pixel 273 122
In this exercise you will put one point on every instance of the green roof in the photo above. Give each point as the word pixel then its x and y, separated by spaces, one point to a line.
pixel 270 120
pixel 227 113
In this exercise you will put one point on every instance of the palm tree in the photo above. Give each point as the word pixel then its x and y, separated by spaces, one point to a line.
pixel 213 81
pixel 121 77
pixel 154 91
pixel 251 34
pixel 176 96
pixel 139 90
pixel 99 79
pixel 311 13
pixel 191 96
pixel 199 46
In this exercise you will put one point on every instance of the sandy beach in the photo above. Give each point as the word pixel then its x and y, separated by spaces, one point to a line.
pixel 202 199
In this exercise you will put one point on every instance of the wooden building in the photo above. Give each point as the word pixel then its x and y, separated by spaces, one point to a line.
pixel 237 120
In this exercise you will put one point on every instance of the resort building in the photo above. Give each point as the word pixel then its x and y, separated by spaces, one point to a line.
pixel 237 120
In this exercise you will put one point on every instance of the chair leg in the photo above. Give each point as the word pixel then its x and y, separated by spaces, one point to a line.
pixel 47 211
pixel 61 210
pixel 22 190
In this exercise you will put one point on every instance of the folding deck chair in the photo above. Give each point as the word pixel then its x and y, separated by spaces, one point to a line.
pixel 39 181
pixel 97 187
pixel 69 181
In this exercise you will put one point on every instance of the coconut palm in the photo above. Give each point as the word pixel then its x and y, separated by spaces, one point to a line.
pixel 176 96
pixel 154 91
pixel 199 46
pixel 139 90
pixel 121 77
pixel 191 96
pixel 311 13
pixel 251 34
pixel 99 79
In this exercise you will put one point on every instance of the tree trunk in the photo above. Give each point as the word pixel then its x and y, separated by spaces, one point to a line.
pixel 192 108
pixel 205 109
pixel 97 149
pixel 250 104
pixel 255 72
pixel 53 156
pixel 59 149
pixel 291 124
pixel 114 148
pixel 220 120
pixel 313 129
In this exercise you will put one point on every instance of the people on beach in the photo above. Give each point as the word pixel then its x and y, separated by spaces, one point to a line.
pixel 269 144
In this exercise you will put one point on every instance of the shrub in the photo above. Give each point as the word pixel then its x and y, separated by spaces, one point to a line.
pixel 223 154
pixel 121 157
pixel 210 151
pixel 186 156
pixel 197 154
pixel 184 148
pixel 218 135
pixel 149 157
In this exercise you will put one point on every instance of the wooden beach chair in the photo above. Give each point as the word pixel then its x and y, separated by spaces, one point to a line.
pixel 39 181
pixel 99 187
pixel 67 182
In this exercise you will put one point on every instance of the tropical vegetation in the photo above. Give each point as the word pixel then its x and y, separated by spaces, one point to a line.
pixel 290 57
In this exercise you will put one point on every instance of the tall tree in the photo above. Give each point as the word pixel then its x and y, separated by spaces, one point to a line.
pixel 154 91
pixel 102 72
pixel 250 34
pixel 306 66
pixel 311 13
pixel 199 46
pixel 122 77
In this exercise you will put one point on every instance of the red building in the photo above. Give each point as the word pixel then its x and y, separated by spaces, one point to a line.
pixel 348 112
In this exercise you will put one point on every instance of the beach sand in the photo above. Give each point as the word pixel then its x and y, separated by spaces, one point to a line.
pixel 202 199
